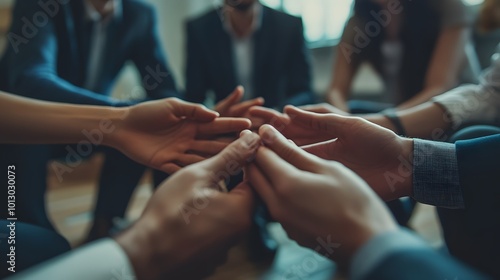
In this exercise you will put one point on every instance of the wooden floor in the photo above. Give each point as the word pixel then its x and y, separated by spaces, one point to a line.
pixel 70 203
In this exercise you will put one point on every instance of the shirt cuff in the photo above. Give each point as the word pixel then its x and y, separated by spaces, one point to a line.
pixel 380 247
pixel 101 260
pixel 435 175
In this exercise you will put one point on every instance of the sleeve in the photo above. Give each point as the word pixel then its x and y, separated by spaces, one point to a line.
pixel 402 255
pixel 102 260
pixel 151 62
pixel 471 104
pixel 479 176
pixel 435 175
pixel 454 13
pixel 196 83
pixel 33 62
pixel 299 90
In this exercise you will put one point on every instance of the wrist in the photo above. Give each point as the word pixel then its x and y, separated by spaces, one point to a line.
pixel 113 127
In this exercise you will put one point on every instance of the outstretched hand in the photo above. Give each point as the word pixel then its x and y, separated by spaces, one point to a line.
pixel 376 154
pixel 170 134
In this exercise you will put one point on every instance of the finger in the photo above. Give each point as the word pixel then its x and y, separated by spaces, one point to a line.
pixel 240 109
pixel 233 98
pixel 331 124
pixel 170 168
pixel 192 111
pixel 188 159
pixel 287 151
pixel 207 147
pixel 270 116
pixel 224 125
pixel 260 184
pixel 234 156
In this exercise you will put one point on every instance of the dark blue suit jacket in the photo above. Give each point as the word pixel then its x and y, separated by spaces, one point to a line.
pixel 281 71
pixel 479 173
pixel 52 65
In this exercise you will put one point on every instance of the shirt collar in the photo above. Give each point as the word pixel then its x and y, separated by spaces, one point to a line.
pixel 256 24
pixel 92 14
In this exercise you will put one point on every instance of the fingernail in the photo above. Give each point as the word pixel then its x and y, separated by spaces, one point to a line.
pixel 245 132
pixel 268 133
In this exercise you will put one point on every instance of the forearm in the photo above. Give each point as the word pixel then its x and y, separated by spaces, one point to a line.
pixel 338 99
pixel 30 121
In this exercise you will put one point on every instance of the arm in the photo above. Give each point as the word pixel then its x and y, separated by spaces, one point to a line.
pixel 151 61
pixel 299 90
pixel 32 65
pixel 445 65
pixel 344 69
pixel 158 134
pixel 184 233
pixel 196 83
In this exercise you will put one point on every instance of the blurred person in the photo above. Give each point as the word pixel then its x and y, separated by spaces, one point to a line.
pixel 246 43
pixel 169 138
pixel 417 47
pixel 73 52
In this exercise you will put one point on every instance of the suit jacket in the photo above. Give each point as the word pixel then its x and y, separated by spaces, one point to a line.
pixel 49 61
pixel 281 71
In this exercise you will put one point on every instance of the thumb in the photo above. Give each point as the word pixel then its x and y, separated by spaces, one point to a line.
pixel 193 111
pixel 235 156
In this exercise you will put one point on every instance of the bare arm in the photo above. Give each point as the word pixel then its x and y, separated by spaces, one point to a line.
pixel 444 67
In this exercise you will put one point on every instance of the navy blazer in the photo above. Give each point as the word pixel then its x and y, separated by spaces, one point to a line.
pixel 281 73
pixel 50 62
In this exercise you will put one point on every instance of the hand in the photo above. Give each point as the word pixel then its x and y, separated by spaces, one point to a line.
pixel 169 134
pixel 232 106
pixel 323 108
pixel 321 204
pixel 188 225
pixel 376 154
pixel 286 124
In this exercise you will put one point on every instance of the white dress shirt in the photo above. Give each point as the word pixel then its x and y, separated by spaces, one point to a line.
pixel 243 52
pixel 98 40
pixel 475 104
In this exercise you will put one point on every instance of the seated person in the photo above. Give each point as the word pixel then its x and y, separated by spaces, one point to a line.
pixel 76 57
pixel 417 47
pixel 246 43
